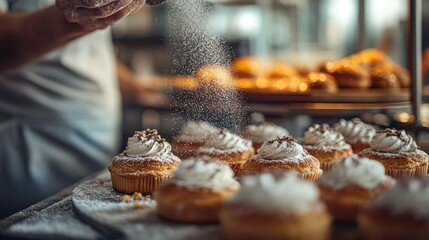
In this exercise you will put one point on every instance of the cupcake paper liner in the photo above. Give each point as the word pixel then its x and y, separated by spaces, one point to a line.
pixel 326 166
pixel 144 185
pixel 313 176
pixel 419 171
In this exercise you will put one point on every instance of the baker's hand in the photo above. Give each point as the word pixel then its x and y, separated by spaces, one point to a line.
pixel 97 14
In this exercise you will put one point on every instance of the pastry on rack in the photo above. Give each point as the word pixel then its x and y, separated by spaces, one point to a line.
pixel 370 57
pixel 318 81
pixel 398 152
pixel 263 132
pixel 144 164
pixel 198 189
pixel 280 69
pixel 383 78
pixel 351 184
pixel 214 75
pixel 326 144
pixel 247 67
pixel 401 213
pixel 227 147
pixel 283 154
pixel 275 207
pixel 356 133
pixel 191 137
pixel 349 74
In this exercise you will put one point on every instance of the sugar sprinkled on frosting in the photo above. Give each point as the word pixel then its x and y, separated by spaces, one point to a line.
pixel 284 193
pixel 282 148
pixel 225 141
pixel 264 132
pixel 321 135
pixel 406 197
pixel 355 130
pixel 393 141
pixel 147 143
pixel 196 131
pixel 204 172
pixel 355 171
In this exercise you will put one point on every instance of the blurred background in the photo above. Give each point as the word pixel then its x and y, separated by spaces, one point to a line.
pixel 302 33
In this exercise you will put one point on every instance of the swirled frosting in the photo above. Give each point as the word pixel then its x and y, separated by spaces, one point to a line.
pixel 204 172
pixel 393 141
pixel 406 197
pixel 322 135
pixel 148 143
pixel 355 171
pixel 355 130
pixel 284 193
pixel 280 149
pixel 264 132
pixel 196 131
pixel 223 140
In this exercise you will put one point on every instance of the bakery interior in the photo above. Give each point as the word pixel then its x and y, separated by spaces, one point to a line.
pixel 277 61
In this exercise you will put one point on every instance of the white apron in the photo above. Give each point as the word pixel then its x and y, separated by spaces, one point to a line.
pixel 59 117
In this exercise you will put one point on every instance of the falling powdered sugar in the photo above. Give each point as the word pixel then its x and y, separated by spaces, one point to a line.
pixel 198 51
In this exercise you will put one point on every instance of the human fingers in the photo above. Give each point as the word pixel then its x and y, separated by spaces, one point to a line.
pixel 101 23
pixel 65 4
pixel 79 14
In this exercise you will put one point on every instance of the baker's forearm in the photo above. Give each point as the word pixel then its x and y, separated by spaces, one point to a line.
pixel 24 37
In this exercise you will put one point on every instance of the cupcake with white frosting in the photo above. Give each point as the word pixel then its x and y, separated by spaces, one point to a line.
pixel 144 164
pixel 326 144
pixel 351 184
pixel 228 147
pixel 401 213
pixel 275 207
pixel 191 136
pixel 261 133
pixel 356 133
pixel 197 191
pixel 283 154
pixel 398 152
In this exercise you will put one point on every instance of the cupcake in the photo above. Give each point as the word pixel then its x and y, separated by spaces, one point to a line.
pixel 283 154
pixel 191 137
pixel 351 184
pixel 326 144
pixel 275 207
pixel 228 147
pixel 356 133
pixel 146 162
pixel 398 152
pixel 196 192
pixel 261 133
pixel 401 213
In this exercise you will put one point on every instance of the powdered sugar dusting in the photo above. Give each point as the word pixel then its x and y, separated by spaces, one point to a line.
pixel 98 201
pixel 55 222
pixel 194 46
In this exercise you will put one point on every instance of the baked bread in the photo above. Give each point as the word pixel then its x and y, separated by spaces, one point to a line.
pixel 351 184
pixel 275 207
pixel 247 67
pixel 398 152
pixel 401 213
pixel 263 132
pixel 214 75
pixel 349 74
pixel 318 81
pixel 191 136
pixel 326 144
pixel 382 78
pixel 144 165
pixel 228 147
pixel 283 154
pixel 196 192
pixel 356 133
